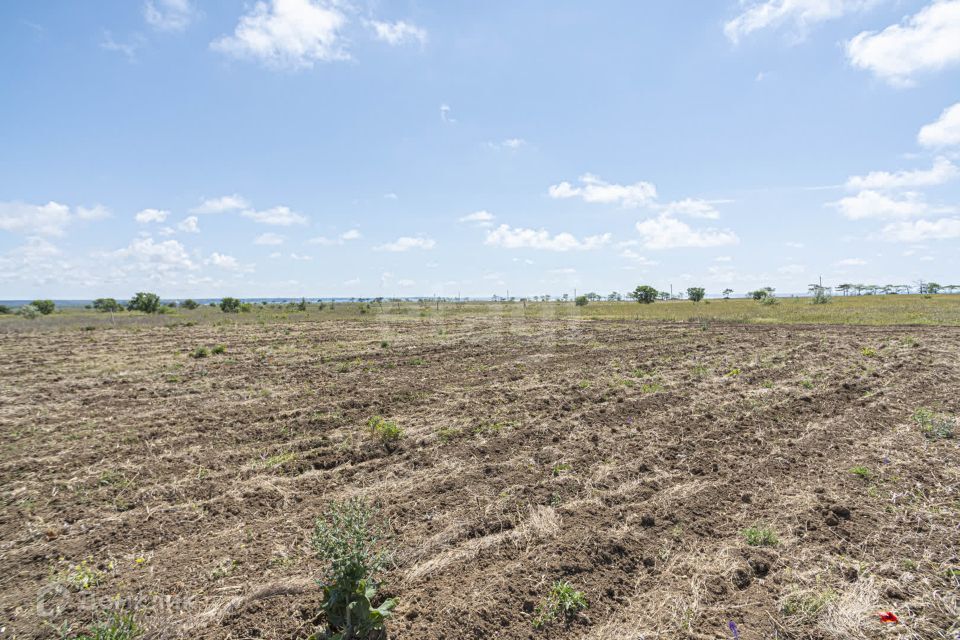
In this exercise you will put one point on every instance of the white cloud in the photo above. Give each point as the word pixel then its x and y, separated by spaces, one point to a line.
pixel 301 258
pixel 169 15
pixel 926 41
pixel 872 204
pixel 941 172
pixel 920 230
pixel 445 114
pixel 944 132
pixel 691 207
pixel 222 204
pixel 397 33
pixel 794 245
pixel 723 259
pixel 851 262
pixel 666 232
pixel 479 218
pixel 406 243
pixel 147 216
pixel 595 190
pixel 630 254
pixel 128 49
pixel 801 14
pixel 96 212
pixel 391 196
pixel 48 219
pixel 189 225
pixel 278 216
pixel 346 236
pixel 287 34
pixel 147 254
pixel 516 238
pixel 224 262
pixel 511 144
pixel 269 239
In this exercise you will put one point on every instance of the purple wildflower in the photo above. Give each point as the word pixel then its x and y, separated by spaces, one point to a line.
pixel 734 630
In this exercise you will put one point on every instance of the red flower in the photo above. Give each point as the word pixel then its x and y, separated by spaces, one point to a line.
pixel 888 616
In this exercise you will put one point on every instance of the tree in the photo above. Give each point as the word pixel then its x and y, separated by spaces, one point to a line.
pixel 614 297
pixel 581 301
pixel 644 294
pixel 106 305
pixel 696 293
pixel 845 287
pixel 230 305
pixel 821 295
pixel 45 307
pixel 145 302
pixel 189 304
pixel 4 309
pixel 302 305
pixel 28 311
pixel 932 287
pixel 763 293
pixel 726 293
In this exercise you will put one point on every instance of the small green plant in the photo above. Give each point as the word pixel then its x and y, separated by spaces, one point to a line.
pixel 560 468
pixel 869 352
pixel 933 425
pixel 384 344
pixel 806 606
pixel 199 352
pixel 651 387
pixel 280 459
pixel 386 431
pixel 218 349
pixel 584 384
pixel 861 472
pixel 806 384
pixel 563 601
pixel 417 361
pixel 733 373
pixel 760 537
pixel 347 541
pixel 449 434
pixel 82 576
pixel 120 626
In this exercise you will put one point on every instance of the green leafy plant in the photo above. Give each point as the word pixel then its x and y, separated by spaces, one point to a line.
pixel 199 352
pixel 869 352
pixel 346 539
pixel 144 302
pixel 218 349
pixel 581 301
pixel 933 425
pixel 106 305
pixel 563 601
pixel 644 294
pixel 120 626
pixel 29 312
pixel 761 537
pixel 46 307
pixel 696 294
pixel 386 431
pixel 861 472
pixel 230 305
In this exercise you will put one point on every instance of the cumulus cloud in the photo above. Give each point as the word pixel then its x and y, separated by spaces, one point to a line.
pixel 944 132
pixel 287 34
pixel 921 230
pixel 509 237
pixel 927 41
pixel 941 172
pixel 169 15
pixel 691 207
pixel 406 243
pixel 222 204
pixel 147 216
pixel 224 262
pixel 445 114
pixel 49 219
pixel 190 224
pixel 666 232
pixel 594 190
pixel 873 204
pixel 397 33
pixel 145 253
pixel 269 239
pixel 478 218
pixel 800 14
pixel 277 216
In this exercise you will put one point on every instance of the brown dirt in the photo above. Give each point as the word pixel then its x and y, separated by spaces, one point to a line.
pixel 626 459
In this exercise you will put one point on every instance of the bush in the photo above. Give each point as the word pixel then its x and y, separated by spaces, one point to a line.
pixel 145 302
pixel 218 350
pixel 118 627
pixel 230 305
pixel 200 352
pixel 4 309
pixel 644 294
pixel 562 601
pixel 762 294
pixel 696 293
pixel 45 307
pixel 106 305
pixel 29 312
pixel 581 301
pixel 348 542
pixel 761 537
pixel 820 295
pixel 386 431
pixel 189 304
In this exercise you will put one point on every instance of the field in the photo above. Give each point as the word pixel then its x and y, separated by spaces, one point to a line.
pixel 683 466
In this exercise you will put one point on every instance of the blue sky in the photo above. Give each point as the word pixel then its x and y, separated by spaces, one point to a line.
pixel 320 148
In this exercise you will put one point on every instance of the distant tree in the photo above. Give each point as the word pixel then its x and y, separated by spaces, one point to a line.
pixel 302 305
pixel 644 294
pixel 614 297
pixel 230 305
pixel 4 309
pixel 932 287
pixel 664 295
pixel 29 311
pixel 696 294
pixel 726 293
pixel 821 295
pixel 106 305
pixel 581 301
pixel 761 294
pixel 189 304
pixel 45 307
pixel 845 287
pixel 145 302
pixel 593 297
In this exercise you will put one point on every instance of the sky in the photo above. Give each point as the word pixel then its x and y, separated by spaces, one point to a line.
pixel 419 148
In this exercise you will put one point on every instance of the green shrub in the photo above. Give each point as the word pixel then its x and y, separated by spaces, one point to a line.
pixel 581 301
pixel 386 431
pixel 200 352
pixel 861 472
pixel 644 294
pixel 761 537
pixel 145 302
pixel 106 305
pixel 119 627
pixel 4 309
pixel 563 601
pixel 934 426
pixel 230 305
pixel 29 312
pixel 189 304
pixel 46 307
pixel 696 294
pixel 348 542
pixel 218 350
